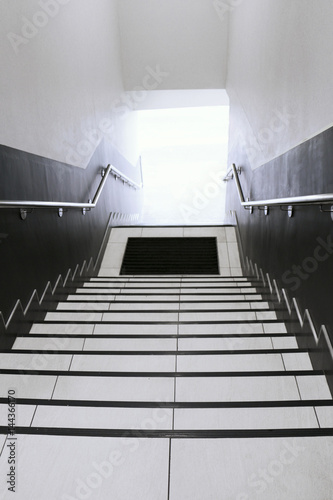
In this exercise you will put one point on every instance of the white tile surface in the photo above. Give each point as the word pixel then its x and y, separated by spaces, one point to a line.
pixel 233 254
pixel 123 363
pixel 297 361
pixel 103 418
pixel 236 389
pixel 143 317
pixel 147 298
pixel 230 234
pixel 220 329
pixel 120 235
pixel 62 328
pixel 232 469
pixel 211 279
pixel 218 232
pixel 231 344
pixel 274 328
pixel 202 298
pixel 150 290
pixel 96 293
pixel 23 415
pixel 325 416
pixel 36 361
pixel 113 256
pixel 259 305
pixel 109 271
pixel 73 316
pixel 313 387
pixel 174 287
pixel 236 271
pixel 142 306
pixel 221 316
pixel 223 256
pixel 253 297
pixel 231 362
pixel 139 329
pixel 284 342
pixel 162 232
pixel 245 418
pixel 92 344
pixel 266 315
pixel 115 468
pixel 83 306
pixel 101 279
pixel 2 442
pixel 218 306
pixel 115 286
pixel 28 386
pixel 153 279
pixel 218 287
pixel 48 344
pixel 115 388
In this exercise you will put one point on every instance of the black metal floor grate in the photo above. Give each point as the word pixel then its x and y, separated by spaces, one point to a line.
pixel 170 256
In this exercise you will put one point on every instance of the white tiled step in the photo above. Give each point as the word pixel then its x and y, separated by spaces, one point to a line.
pixel 243 362
pixel 133 469
pixel 114 317
pixel 272 388
pixel 107 329
pixel 161 418
pixel 246 418
pixel 156 363
pixel 49 344
pixel 236 328
pixel 12 361
pixel 227 316
pixel 62 329
pixel 103 418
pixel 192 285
pixel 115 388
pixel 133 363
pixel 169 278
pixel 159 305
pixel 139 344
pixel 234 469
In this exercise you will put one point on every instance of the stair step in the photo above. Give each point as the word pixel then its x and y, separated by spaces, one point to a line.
pixel 166 418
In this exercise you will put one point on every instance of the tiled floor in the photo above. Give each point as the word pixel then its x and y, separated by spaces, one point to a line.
pixel 135 387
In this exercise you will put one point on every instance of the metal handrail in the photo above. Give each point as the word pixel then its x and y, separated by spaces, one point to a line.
pixel 316 199
pixel 118 175
pixel 23 205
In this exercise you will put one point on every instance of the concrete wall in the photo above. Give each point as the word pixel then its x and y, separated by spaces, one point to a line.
pixel 280 75
pixel 62 89
pixel 186 39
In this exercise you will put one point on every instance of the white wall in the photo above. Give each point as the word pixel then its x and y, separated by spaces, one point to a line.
pixel 280 75
pixel 61 85
pixel 166 99
pixel 187 39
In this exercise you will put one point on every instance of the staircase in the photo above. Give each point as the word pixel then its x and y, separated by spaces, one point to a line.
pixel 165 388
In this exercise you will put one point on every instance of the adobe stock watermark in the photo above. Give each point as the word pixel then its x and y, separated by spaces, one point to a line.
pixel 49 9
pixel 104 470
pixel 256 146
pixel 225 7
pixel 202 197
pixel 299 273
pixel 263 478
pixel 40 361
pixel 127 102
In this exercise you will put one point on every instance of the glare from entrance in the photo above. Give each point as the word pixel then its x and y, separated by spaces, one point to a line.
pixel 184 159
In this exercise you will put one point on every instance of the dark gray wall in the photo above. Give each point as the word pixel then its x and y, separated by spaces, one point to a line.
pixel 37 250
pixel 296 251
